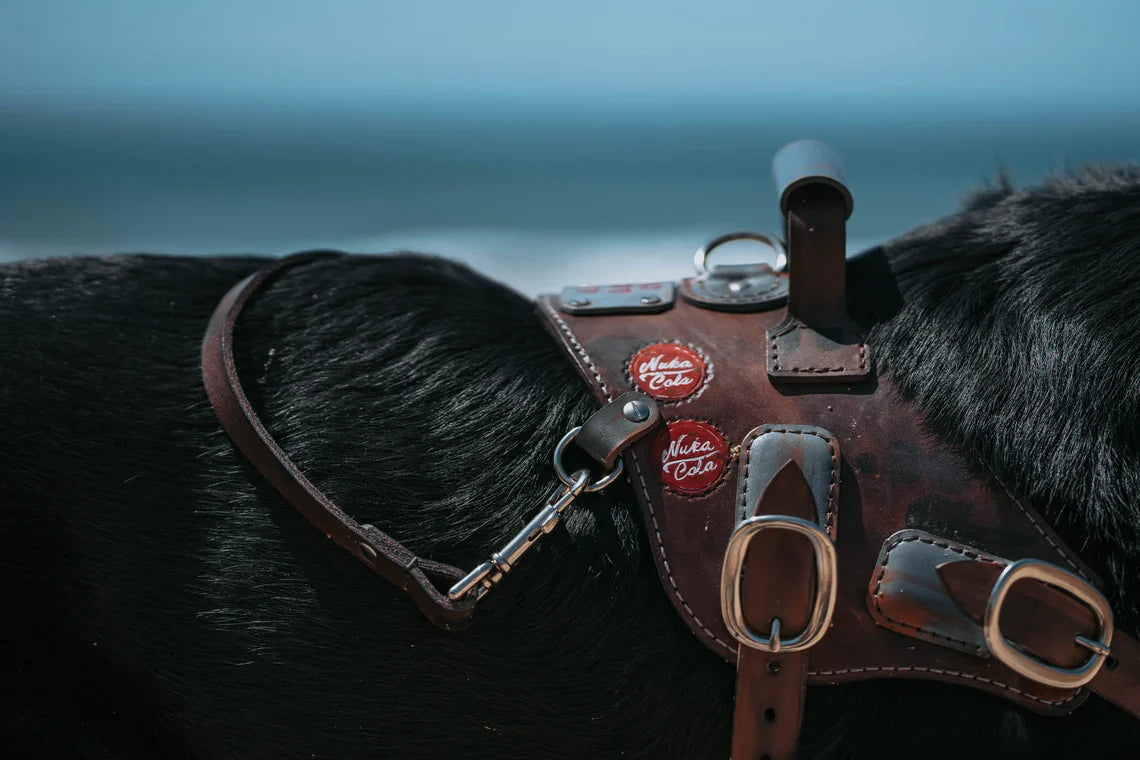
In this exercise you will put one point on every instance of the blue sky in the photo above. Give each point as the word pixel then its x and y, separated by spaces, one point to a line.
pixel 470 52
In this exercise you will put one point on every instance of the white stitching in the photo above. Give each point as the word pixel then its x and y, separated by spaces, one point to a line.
pixel 664 558
pixel 689 610
pixel 578 348
pixel 882 570
pixel 581 351
pixel 1046 536
pixel 942 672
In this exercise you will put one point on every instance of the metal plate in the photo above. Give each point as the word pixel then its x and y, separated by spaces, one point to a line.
pixel 734 287
pixel 636 298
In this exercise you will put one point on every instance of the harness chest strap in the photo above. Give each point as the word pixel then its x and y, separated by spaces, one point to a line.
pixel 778 589
pixel 896 477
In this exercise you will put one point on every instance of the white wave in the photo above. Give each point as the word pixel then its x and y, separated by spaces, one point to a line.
pixel 531 261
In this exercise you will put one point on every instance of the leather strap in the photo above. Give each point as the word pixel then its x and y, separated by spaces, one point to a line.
pixel 382 554
pixel 902 477
pixel 1045 621
pixel 817 341
pixel 779 583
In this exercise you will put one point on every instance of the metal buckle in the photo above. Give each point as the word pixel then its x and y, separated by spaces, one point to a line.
pixel 1027 665
pixel 732 574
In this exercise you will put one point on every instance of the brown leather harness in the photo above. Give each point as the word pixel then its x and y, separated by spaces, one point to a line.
pixel 797 511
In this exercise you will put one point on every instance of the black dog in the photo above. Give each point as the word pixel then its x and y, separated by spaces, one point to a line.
pixel 162 601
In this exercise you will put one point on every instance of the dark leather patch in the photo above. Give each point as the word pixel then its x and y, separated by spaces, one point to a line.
pixel 814 450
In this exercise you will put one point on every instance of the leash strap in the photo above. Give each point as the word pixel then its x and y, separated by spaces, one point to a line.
pixel 378 551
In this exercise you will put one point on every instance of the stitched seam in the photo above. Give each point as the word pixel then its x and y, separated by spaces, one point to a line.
pixel 813 370
pixel 578 349
pixel 709 374
pixel 1044 534
pixel 644 489
pixel 881 571
pixel 943 672
pixel 665 559
pixel 689 610
pixel 833 478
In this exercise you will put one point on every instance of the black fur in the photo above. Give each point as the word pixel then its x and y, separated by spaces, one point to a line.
pixel 162 601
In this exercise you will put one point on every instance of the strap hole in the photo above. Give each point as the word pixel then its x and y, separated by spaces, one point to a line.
pixel 774 667
pixel 769 715
pixel 1111 663
pixel 765 757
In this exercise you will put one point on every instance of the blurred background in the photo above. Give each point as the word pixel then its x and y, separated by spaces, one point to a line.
pixel 546 144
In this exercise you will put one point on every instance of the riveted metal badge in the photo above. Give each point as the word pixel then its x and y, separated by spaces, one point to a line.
pixel 668 371
pixel 692 454
pixel 635 298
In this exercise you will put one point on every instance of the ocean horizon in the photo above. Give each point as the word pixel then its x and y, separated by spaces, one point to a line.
pixel 535 199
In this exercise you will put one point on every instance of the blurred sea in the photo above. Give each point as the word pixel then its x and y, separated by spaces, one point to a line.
pixel 536 200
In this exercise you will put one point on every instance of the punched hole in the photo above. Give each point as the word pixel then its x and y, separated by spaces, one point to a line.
pixel 765 757
pixel 1111 663
pixel 774 667
pixel 769 715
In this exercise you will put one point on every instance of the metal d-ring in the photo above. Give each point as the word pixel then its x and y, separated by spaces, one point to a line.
pixel 702 254
pixel 565 477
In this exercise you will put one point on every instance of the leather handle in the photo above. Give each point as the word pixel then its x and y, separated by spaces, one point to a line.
pixel 817 255
pixel 379 552
pixel 816 341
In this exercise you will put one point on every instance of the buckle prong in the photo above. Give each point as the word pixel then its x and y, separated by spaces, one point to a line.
pixel 1096 647
pixel 774 636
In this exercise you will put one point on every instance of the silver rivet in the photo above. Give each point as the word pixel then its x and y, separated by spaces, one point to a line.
pixel 647 300
pixel 738 286
pixel 636 410
pixel 579 301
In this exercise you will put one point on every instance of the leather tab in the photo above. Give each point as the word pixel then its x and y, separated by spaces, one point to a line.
pixel 779 583
pixel 617 426
pixel 907 596
pixel 768 448
pixel 817 341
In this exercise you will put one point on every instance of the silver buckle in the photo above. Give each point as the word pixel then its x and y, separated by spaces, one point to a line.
pixel 732 574
pixel 1027 665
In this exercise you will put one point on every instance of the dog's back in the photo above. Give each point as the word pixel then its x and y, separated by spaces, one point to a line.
pixel 163 601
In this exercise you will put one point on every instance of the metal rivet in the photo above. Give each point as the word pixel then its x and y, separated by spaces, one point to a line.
pixel 636 410
pixel 367 551
pixel 579 302
pixel 738 286
pixel 647 300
